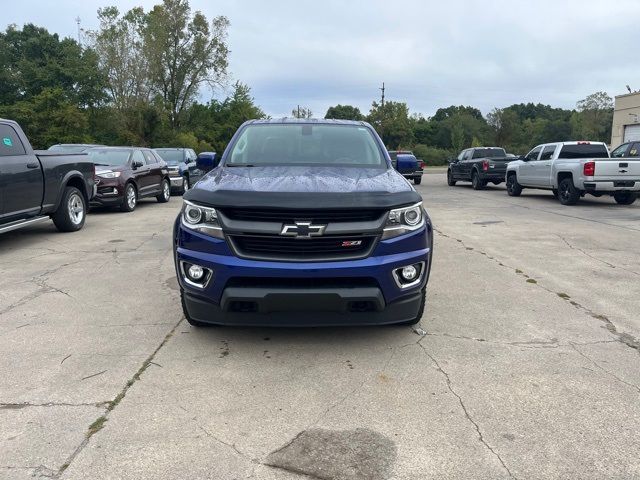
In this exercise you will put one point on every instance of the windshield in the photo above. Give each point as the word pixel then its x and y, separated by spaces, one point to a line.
pixel 171 155
pixel 306 144
pixel 488 153
pixel 584 150
pixel 109 157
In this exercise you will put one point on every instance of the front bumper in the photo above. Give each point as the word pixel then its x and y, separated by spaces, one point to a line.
pixel 108 194
pixel 276 293
pixel 176 181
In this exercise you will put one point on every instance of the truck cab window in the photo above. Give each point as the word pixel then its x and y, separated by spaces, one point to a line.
pixel 547 152
pixel 533 154
pixel 634 151
pixel 620 151
pixel 10 144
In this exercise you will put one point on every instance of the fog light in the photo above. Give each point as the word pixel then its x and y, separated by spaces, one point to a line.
pixel 409 273
pixel 195 272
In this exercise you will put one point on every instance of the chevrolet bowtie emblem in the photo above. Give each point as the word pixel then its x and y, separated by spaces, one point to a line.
pixel 302 230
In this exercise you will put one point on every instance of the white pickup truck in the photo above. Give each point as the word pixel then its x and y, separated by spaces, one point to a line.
pixel 572 169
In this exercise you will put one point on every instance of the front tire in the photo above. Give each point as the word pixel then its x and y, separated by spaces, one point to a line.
pixel 165 193
pixel 514 189
pixel 568 194
pixel 130 199
pixel 625 198
pixel 186 186
pixel 450 181
pixel 72 211
pixel 476 183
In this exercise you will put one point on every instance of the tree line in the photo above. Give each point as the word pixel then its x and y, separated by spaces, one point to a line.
pixel 139 78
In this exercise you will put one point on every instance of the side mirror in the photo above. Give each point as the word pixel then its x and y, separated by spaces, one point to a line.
pixel 206 161
pixel 453 160
pixel 137 164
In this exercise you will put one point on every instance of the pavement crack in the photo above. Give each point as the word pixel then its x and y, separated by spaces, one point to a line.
pixel 600 367
pixel 99 423
pixel 583 252
pixel 624 338
pixel 465 411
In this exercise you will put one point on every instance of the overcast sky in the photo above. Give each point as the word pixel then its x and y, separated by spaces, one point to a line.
pixel 430 54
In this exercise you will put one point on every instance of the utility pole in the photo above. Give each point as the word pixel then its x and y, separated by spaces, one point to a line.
pixel 382 94
pixel 382 112
pixel 79 29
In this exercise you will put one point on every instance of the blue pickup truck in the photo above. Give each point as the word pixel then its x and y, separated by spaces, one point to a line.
pixel 303 223
pixel 407 164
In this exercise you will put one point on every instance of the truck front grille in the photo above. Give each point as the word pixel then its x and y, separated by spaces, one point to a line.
pixel 272 247
pixel 326 216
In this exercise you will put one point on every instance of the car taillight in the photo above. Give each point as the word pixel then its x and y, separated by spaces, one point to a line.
pixel 589 169
pixel 485 165
pixel 421 165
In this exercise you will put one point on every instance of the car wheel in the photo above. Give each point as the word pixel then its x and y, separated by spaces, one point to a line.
pixel 130 199
pixel 418 317
pixel 450 181
pixel 72 211
pixel 165 193
pixel 417 180
pixel 625 198
pixel 191 321
pixel 186 186
pixel 568 194
pixel 476 183
pixel 555 193
pixel 514 189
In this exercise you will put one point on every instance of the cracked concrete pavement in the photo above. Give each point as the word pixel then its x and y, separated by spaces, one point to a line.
pixel 526 364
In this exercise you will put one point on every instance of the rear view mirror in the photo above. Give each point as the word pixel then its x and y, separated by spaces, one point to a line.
pixel 137 164
pixel 207 161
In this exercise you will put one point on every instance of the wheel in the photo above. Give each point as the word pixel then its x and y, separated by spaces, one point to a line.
pixel 417 180
pixel 514 189
pixel 476 183
pixel 450 181
pixel 555 193
pixel 191 321
pixel 418 317
pixel 568 194
pixel 72 211
pixel 186 186
pixel 130 199
pixel 165 193
pixel 625 198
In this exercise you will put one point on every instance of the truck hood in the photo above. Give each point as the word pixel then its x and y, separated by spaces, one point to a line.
pixel 303 187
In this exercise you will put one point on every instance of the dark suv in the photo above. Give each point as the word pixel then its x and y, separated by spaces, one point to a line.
pixel 126 174
pixel 183 171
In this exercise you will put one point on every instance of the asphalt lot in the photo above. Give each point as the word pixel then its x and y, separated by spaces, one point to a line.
pixel 526 364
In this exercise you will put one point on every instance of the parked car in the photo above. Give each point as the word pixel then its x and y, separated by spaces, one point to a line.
pixel 479 165
pixel 572 169
pixel 627 150
pixel 72 147
pixel 183 171
pixel 36 186
pixel 125 175
pixel 304 222
pixel 410 167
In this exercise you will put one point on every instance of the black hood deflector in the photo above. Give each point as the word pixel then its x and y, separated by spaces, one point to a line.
pixel 302 200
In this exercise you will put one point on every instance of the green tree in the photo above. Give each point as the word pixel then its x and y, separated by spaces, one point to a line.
pixel 596 116
pixel 392 123
pixel 301 112
pixel 457 135
pixel 344 112
pixel 184 52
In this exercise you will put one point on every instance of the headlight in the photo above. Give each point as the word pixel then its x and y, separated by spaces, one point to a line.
pixel 108 174
pixel 404 220
pixel 202 219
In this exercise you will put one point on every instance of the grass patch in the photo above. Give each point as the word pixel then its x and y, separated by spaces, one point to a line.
pixel 519 271
pixel 96 426
pixel 563 295
pixel 531 280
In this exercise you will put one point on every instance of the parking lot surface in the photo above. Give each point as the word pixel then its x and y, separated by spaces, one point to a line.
pixel 525 365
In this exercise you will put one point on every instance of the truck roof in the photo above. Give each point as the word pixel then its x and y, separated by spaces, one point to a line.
pixel 573 142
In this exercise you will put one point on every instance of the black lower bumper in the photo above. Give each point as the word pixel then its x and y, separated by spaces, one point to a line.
pixel 302 307
pixel 493 176
pixel 110 201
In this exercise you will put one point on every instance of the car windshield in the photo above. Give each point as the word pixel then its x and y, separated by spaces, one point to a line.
pixel 306 145
pixel 488 153
pixel 171 155
pixel 112 157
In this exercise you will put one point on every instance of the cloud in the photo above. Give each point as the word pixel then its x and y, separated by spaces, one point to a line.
pixel 429 54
